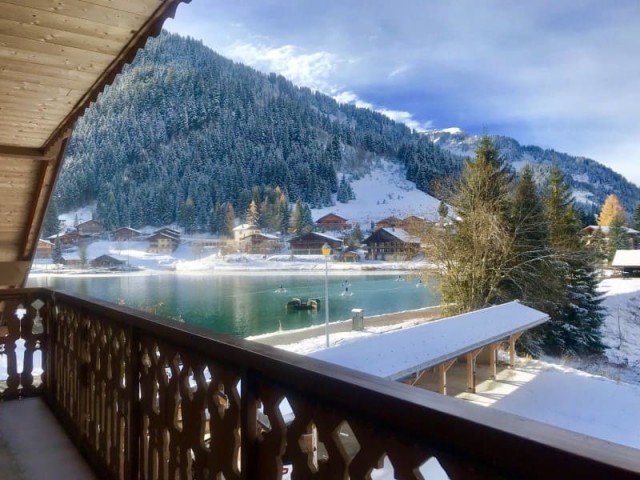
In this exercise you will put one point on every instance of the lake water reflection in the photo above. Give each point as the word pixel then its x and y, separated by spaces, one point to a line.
pixel 247 305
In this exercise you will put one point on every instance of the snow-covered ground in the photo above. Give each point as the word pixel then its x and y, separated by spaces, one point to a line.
pixel 554 391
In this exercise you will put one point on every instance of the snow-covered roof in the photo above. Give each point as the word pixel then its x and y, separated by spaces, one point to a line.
pixel 605 229
pixel 245 226
pixel 401 234
pixel 399 354
pixel 626 258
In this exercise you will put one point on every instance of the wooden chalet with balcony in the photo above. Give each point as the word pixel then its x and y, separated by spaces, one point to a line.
pixel 90 228
pixel 163 241
pixel 125 234
pixel 333 222
pixel 311 243
pixel 147 398
pixel 388 222
pixel 392 244
pixel 44 249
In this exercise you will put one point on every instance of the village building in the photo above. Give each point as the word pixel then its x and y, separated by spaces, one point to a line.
pixel 70 237
pixel 261 243
pixel 90 228
pixel 124 234
pixel 392 244
pixel 334 222
pixel 311 244
pixel 164 241
pixel 106 261
pixel 44 249
pixel 628 262
pixel 245 230
pixel 591 231
pixel 414 224
pixel 388 222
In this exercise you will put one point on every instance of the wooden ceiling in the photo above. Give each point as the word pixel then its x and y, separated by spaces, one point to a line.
pixel 56 56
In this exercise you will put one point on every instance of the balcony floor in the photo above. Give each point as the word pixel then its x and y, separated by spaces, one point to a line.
pixel 34 446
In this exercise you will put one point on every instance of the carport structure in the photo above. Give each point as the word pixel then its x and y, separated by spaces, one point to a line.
pixel 409 353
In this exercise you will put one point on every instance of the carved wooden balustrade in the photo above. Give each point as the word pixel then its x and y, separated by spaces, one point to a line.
pixel 147 398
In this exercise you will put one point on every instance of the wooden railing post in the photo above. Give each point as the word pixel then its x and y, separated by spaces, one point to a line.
pixel 135 417
pixel 249 454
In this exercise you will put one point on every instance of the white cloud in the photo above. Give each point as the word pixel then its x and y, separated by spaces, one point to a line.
pixel 397 115
pixel 311 70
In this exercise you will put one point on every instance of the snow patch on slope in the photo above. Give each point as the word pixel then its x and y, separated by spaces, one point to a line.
pixel 382 193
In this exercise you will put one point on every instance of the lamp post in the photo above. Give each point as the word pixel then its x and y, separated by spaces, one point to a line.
pixel 326 251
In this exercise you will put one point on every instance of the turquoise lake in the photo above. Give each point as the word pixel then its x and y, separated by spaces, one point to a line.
pixel 246 305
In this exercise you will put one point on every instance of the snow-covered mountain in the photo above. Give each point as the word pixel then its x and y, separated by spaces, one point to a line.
pixel 591 182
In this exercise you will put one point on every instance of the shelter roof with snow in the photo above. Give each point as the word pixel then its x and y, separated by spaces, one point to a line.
pixel 626 258
pixel 399 354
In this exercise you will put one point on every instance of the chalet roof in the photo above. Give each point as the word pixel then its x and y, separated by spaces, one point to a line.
pixel 398 354
pixel 46 242
pixel 56 59
pixel 90 222
pixel 626 258
pixel 127 229
pixel 331 216
pixel 391 234
pixel 318 235
pixel 107 259
pixel 158 235
pixel 245 226
pixel 391 219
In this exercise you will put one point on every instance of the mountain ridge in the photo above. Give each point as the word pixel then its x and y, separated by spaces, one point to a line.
pixel 590 181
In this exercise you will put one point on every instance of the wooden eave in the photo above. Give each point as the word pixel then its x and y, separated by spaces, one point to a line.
pixel 56 57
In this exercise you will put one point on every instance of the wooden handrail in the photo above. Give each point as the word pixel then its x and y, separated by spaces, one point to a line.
pixel 181 367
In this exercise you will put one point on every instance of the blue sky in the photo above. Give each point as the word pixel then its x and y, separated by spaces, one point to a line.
pixel 557 74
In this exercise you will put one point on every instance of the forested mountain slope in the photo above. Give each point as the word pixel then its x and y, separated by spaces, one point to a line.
pixel 183 132
pixel 590 181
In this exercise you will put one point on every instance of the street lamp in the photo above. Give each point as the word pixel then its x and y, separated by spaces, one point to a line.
pixel 326 251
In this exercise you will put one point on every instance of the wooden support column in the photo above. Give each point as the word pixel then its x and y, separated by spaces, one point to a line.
pixel 493 360
pixel 471 369
pixel 512 348
pixel 417 378
pixel 442 375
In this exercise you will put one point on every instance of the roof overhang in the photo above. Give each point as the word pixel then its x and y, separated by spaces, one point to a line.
pixel 55 59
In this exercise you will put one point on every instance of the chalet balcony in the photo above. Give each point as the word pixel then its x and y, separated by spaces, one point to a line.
pixel 143 397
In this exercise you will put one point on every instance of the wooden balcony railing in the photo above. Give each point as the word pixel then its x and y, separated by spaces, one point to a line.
pixel 146 398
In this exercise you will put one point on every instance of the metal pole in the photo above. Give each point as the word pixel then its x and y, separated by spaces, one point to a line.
pixel 326 297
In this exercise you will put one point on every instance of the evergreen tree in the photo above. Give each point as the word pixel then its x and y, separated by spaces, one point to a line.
pixel 83 256
pixel 345 192
pixel 56 253
pixel 611 209
pixel 229 220
pixel 616 239
pixel 530 274
pixel 475 251
pixel 356 237
pixel 51 222
pixel 186 217
pixel 636 217
pixel 574 327
pixel 443 211
pixel 252 215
